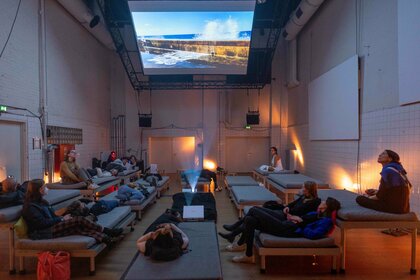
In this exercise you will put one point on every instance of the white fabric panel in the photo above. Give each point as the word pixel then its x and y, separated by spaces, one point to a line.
pixel 334 103
pixel 409 51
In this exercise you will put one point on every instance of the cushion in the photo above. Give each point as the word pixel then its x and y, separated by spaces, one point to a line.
pixel 272 241
pixel 352 211
pixel 10 214
pixel 294 181
pixel 80 185
pixel 67 243
pixel 240 181
pixel 127 172
pixel 201 262
pixel 104 180
pixel 111 219
pixel 57 196
pixel 160 183
pixel 266 173
pixel 21 228
pixel 254 195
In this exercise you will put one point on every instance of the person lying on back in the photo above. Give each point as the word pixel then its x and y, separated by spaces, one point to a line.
pixel 11 194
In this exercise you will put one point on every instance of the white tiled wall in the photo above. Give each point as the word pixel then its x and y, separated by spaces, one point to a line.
pixel 336 162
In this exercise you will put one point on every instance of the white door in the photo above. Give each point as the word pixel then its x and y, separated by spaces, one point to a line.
pixel 246 153
pixel 172 153
pixel 11 150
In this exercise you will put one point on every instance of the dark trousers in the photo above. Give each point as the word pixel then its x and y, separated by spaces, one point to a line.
pixel 78 226
pixel 267 221
pixel 205 173
pixel 375 204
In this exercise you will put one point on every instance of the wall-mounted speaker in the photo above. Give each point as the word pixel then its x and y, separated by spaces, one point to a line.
pixel 253 118
pixel 145 120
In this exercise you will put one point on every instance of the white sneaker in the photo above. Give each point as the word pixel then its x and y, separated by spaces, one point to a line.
pixel 243 259
pixel 234 247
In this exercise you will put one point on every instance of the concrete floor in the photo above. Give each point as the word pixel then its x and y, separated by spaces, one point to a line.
pixel 370 254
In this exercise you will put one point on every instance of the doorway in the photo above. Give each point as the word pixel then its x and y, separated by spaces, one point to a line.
pixel 243 154
pixel 11 151
pixel 172 153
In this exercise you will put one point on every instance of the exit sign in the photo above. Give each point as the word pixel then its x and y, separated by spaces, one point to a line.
pixel 3 108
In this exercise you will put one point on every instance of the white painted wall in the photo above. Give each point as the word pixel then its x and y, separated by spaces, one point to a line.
pixel 78 78
pixel 340 29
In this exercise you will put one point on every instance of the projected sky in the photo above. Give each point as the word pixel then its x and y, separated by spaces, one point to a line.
pixel 194 42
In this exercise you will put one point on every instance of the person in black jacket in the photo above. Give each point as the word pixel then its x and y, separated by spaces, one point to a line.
pixel 393 195
pixel 44 224
pixel 307 202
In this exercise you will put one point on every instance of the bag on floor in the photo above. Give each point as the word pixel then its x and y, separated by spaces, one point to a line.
pixel 53 265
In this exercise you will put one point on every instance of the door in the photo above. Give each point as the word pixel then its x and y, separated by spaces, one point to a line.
pixel 11 150
pixel 172 153
pixel 246 153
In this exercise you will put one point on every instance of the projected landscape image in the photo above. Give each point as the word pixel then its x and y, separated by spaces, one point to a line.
pixel 200 42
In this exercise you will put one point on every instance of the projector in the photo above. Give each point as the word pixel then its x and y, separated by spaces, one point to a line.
pixel 253 117
pixel 145 120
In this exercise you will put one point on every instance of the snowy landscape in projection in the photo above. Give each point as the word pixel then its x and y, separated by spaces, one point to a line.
pixel 194 42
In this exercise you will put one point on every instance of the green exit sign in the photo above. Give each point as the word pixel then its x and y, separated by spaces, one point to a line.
pixel 3 108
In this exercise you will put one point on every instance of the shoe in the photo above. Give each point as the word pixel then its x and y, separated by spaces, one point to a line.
pixel 218 189
pixel 228 236
pixel 243 259
pixel 234 247
pixel 234 226
pixel 113 232
pixel 109 241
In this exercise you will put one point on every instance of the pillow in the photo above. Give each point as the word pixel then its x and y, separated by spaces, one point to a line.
pixel 21 228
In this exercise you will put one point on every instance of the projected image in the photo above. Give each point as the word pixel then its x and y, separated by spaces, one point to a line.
pixel 198 42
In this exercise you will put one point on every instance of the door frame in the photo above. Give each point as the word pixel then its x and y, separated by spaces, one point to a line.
pixel 24 160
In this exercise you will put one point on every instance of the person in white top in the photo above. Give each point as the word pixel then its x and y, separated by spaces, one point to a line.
pixel 275 164
pixel 275 161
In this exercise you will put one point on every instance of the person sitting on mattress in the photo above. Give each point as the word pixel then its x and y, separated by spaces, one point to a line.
pixel 163 240
pixel 314 225
pixel 11 193
pixel 44 224
pixel 393 195
pixel 70 171
pixel 275 164
pixel 307 202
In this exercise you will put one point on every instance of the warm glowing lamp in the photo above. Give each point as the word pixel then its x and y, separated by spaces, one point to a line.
pixel 208 164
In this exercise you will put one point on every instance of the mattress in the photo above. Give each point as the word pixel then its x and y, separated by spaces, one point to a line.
pixel 293 181
pixel 240 181
pixel 351 211
pixel 201 262
pixel 160 183
pixel 272 241
pixel 266 173
pixel 128 172
pixel 252 195
pixel 114 217
pixel 53 197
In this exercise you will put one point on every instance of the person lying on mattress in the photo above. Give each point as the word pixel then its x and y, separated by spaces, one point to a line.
pixel 275 164
pixel 11 193
pixel 307 202
pixel 163 240
pixel 314 225
pixel 44 224
pixel 70 171
pixel 393 195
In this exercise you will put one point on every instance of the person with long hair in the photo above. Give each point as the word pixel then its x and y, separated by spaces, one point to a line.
pixel 275 163
pixel 163 240
pixel 393 194
pixel 314 225
pixel 44 224
pixel 307 202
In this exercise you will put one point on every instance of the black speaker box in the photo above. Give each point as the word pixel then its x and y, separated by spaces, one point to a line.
pixel 252 118
pixel 145 120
